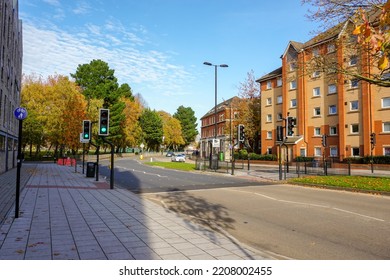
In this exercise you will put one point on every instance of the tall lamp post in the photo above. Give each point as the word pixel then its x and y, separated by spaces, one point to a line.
pixel 215 101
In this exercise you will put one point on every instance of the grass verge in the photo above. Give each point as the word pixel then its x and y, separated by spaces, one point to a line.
pixel 364 183
pixel 174 165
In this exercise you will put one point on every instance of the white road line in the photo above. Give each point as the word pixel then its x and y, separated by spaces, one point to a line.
pixel 143 172
pixel 310 204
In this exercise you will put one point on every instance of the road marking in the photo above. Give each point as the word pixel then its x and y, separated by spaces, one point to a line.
pixel 310 204
pixel 143 172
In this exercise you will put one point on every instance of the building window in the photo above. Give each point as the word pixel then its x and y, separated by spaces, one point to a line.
pixel 353 60
pixel 354 105
pixel 316 74
pixel 316 91
pixel 354 83
pixel 317 152
pixel 279 116
pixel 386 127
pixel 279 99
pixel 332 89
pixel 356 152
pixel 293 103
pixel 269 118
pixel 386 151
pixel 302 152
pixel 332 110
pixel 317 131
pixel 269 151
pixel 269 101
pixel 293 66
pixel 333 151
pixel 316 52
pixel 333 130
pixel 331 48
pixel 317 111
pixel 293 84
pixel 269 85
pixel 269 134
pixel 279 82
pixel 355 128
pixel 386 102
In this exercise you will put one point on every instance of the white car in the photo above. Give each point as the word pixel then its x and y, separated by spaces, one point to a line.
pixel 179 157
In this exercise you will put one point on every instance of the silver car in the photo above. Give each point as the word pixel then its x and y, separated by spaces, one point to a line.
pixel 179 157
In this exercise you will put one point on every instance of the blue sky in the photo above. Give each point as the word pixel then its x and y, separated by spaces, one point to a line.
pixel 158 46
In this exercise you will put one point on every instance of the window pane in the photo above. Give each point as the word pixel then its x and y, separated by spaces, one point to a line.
pixel 332 109
pixel 386 102
pixel 386 127
pixel 354 105
pixel 332 89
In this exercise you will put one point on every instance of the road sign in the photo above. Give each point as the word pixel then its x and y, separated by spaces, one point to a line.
pixel 20 113
pixel 215 143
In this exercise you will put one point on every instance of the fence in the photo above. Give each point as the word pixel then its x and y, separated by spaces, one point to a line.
pixel 217 165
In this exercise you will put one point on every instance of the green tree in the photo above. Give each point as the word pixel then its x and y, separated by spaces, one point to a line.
pixel 152 128
pixel 187 119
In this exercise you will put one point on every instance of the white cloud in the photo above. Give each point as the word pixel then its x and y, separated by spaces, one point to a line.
pixel 49 50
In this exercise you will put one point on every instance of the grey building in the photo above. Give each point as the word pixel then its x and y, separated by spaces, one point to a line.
pixel 11 53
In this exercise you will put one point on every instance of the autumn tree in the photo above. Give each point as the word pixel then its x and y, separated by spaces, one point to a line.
pixel 57 106
pixel 248 106
pixel 132 129
pixel 368 21
pixel 172 129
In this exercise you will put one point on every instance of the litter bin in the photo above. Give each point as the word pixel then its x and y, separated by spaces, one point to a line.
pixel 91 169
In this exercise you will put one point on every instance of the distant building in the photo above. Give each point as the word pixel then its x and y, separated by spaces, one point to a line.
pixel 226 128
pixel 330 103
pixel 11 53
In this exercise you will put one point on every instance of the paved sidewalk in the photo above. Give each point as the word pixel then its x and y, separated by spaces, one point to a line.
pixel 64 215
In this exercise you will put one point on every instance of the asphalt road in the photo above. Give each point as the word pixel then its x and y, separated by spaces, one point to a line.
pixel 286 221
pixel 139 178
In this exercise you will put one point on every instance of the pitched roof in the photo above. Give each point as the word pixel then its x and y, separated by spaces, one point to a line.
pixel 270 75
pixel 220 107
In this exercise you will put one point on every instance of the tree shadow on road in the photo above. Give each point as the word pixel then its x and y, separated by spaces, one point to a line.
pixel 199 214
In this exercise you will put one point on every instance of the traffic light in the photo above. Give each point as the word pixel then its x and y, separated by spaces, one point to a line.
pixel 324 140
pixel 279 133
pixel 104 120
pixel 291 122
pixel 241 133
pixel 86 130
pixel 373 139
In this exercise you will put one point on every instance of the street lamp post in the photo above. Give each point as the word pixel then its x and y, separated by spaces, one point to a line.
pixel 215 100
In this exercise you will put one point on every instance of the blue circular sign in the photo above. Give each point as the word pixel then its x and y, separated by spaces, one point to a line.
pixel 20 113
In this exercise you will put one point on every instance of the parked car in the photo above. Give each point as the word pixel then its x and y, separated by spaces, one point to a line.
pixel 179 157
pixel 169 154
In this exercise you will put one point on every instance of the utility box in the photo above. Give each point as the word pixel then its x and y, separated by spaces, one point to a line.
pixel 91 169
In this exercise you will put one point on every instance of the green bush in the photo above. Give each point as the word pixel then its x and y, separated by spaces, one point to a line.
pixel 304 159
pixel 243 154
pixel 367 160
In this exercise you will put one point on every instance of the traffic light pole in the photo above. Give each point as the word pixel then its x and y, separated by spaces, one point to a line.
pixel 112 162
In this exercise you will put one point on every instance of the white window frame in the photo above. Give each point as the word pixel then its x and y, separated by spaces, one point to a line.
pixel 279 117
pixel 332 89
pixel 316 74
pixel 317 111
pixel 331 48
pixel 279 99
pixel 293 103
pixel 386 102
pixel 332 109
pixel 269 134
pixel 353 149
pixel 269 85
pixel 317 151
pixel 386 151
pixel 353 59
pixel 354 83
pixel 293 66
pixel 317 131
pixel 332 130
pixel 269 118
pixel 279 82
pixel 269 151
pixel 352 107
pixel 353 130
pixel 293 85
pixel 269 101
pixel 316 91
pixel 386 127
pixel 333 151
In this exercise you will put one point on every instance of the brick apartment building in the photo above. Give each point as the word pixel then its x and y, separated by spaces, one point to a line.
pixel 10 80
pixel 345 109
pixel 226 129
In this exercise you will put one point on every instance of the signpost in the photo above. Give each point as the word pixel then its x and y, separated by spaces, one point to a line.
pixel 20 114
